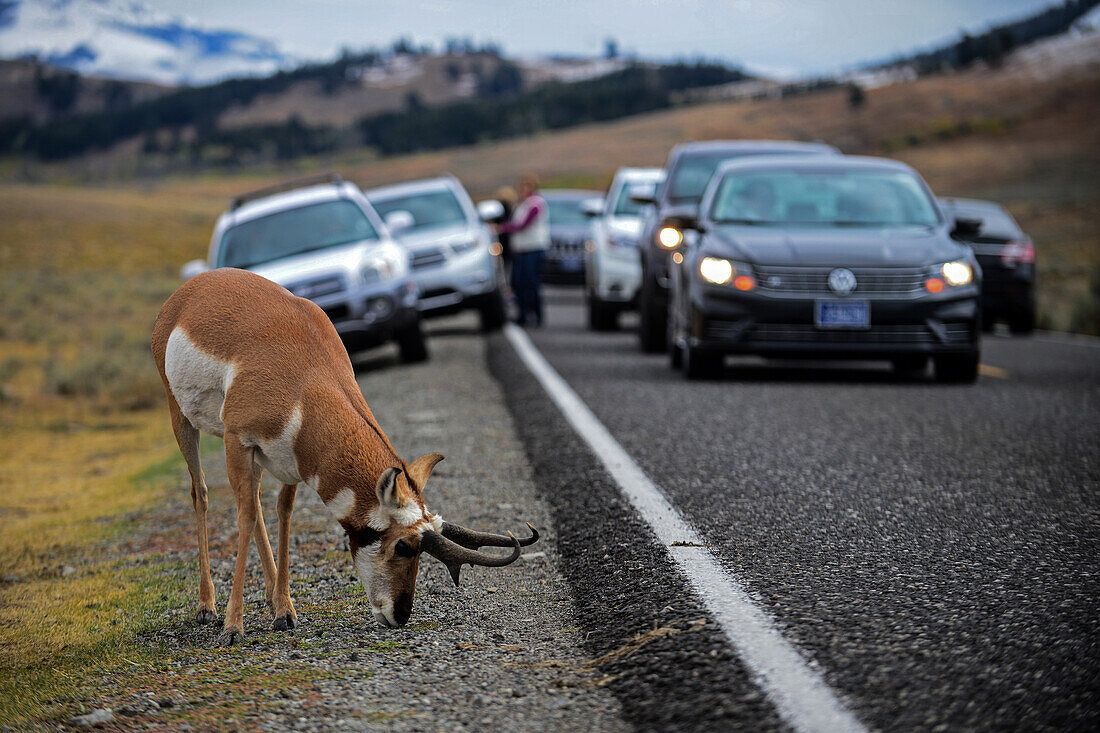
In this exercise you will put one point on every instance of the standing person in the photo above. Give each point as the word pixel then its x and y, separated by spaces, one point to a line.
pixel 529 232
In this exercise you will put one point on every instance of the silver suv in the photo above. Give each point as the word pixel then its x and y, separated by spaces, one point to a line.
pixel 449 244
pixel 320 238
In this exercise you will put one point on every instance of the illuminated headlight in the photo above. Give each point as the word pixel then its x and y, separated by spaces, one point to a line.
pixel 384 263
pixel 670 237
pixel 716 270
pixel 957 273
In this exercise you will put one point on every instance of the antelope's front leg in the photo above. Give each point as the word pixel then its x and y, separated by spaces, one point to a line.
pixel 243 478
pixel 285 617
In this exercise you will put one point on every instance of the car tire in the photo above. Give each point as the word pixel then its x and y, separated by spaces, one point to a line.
pixel 910 366
pixel 602 316
pixel 412 345
pixel 957 368
pixel 1022 324
pixel 653 322
pixel 492 312
pixel 699 364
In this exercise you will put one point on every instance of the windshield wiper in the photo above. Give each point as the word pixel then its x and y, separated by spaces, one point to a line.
pixel 750 222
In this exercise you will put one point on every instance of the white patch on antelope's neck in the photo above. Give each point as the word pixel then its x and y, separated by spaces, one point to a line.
pixel 277 454
pixel 341 504
pixel 198 381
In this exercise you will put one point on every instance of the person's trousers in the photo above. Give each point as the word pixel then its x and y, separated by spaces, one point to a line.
pixel 527 284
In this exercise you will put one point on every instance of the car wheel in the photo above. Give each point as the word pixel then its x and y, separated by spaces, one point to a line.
pixel 602 316
pixel 492 312
pixel 699 364
pixel 957 368
pixel 910 366
pixel 1021 324
pixel 412 345
pixel 652 325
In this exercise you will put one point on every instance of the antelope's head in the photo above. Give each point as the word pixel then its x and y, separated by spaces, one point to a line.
pixel 386 552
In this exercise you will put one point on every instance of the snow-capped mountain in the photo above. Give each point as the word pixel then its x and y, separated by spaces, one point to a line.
pixel 125 39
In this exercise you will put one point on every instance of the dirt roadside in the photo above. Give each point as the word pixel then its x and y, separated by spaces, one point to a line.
pixel 501 651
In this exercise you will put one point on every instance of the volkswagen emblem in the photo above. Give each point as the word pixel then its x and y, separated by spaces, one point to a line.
pixel 842 281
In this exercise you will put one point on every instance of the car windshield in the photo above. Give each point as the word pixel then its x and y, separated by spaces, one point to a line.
pixel 828 198
pixel 566 211
pixel 294 231
pixel 428 208
pixel 624 206
pixel 693 173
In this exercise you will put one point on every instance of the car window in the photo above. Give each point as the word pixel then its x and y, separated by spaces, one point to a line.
pixel 624 206
pixel 823 198
pixel 566 211
pixel 294 231
pixel 428 208
pixel 693 172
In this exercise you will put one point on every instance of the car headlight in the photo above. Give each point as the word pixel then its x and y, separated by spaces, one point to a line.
pixel 619 244
pixel 383 263
pixel 669 237
pixel 720 271
pixel 464 245
pixel 957 273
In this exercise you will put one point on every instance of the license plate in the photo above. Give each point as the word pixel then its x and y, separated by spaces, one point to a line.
pixel 572 264
pixel 842 314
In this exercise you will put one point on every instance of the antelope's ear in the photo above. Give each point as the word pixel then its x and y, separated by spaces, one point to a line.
pixel 387 488
pixel 421 469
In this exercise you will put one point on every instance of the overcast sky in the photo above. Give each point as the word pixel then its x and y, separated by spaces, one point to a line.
pixel 777 36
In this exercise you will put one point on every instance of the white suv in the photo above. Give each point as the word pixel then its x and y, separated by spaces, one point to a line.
pixel 449 243
pixel 320 239
pixel 613 268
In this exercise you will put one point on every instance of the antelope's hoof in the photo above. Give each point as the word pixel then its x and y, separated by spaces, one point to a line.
pixel 230 637
pixel 285 623
pixel 206 616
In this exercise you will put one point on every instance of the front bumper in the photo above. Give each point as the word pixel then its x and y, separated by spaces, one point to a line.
pixel 725 320
pixel 372 314
pixel 460 281
pixel 615 278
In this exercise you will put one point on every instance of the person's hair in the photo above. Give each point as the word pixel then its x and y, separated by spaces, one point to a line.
pixel 506 195
pixel 529 179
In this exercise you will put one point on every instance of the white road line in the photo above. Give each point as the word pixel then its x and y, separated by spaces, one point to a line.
pixel 799 694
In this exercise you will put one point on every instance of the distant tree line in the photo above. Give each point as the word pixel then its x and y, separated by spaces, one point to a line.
pixel 992 46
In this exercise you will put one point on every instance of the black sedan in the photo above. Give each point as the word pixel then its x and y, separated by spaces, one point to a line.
pixel 824 257
pixel 1007 259
pixel 570 229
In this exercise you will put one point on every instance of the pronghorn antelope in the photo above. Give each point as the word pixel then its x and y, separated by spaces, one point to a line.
pixel 244 359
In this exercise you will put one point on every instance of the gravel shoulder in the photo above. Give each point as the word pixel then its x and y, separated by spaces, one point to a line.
pixel 504 650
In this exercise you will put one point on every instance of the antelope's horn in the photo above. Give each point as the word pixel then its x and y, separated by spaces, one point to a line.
pixel 454 555
pixel 474 540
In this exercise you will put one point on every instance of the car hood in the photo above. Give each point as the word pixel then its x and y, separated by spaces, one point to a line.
pixel 435 237
pixel 878 247
pixel 329 261
pixel 569 231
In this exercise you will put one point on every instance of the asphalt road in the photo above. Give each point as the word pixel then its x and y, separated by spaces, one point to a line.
pixel 931 550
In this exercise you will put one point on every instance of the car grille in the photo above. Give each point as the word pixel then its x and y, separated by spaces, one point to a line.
pixel 427 258
pixel 794 333
pixel 318 287
pixel 560 248
pixel 880 281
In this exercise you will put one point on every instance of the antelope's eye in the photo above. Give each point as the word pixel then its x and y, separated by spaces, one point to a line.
pixel 404 549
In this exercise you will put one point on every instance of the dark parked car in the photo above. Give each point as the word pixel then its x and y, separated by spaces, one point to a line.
pixel 824 257
pixel 570 228
pixel 689 169
pixel 1007 259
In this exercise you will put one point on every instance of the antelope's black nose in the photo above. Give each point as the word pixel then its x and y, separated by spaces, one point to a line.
pixel 402 608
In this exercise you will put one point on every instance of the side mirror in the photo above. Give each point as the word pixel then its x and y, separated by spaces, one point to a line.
pixel 592 207
pixel 490 210
pixel 642 194
pixel 192 268
pixel 398 221
pixel 966 228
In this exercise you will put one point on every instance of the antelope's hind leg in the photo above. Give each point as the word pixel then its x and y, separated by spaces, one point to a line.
pixel 244 477
pixel 187 436
pixel 285 618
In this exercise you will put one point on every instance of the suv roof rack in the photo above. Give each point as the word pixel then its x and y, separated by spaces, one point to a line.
pixel 334 178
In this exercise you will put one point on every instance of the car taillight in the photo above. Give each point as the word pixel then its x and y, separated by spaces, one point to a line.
pixel 1018 252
